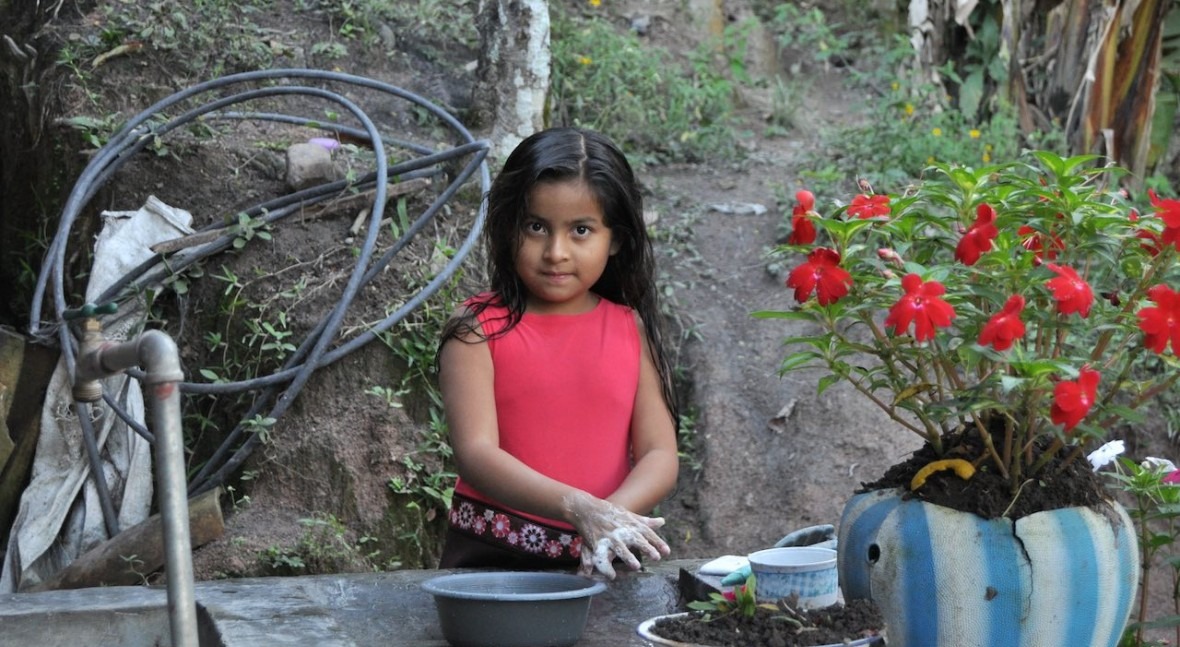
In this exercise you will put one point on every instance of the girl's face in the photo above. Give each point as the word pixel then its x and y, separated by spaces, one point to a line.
pixel 564 247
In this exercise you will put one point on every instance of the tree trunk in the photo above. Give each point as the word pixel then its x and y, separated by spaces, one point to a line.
pixel 512 86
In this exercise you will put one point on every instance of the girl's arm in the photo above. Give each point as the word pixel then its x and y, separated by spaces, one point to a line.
pixel 653 442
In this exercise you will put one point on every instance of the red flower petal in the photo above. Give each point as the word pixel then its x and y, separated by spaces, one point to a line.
pixel 921 305
pixel 802 230
pixel 869 206
pixel 1071 291
pixel 806 199
pixel 979 236
pixel 822 274
pixel 1073 399
pixel 1161 323
pixel 1004 327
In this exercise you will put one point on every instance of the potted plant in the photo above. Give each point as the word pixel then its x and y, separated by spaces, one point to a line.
pixel 1010 316
pixel 737 618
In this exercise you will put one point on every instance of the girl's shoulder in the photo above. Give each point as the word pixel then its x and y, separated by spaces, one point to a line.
pixel 485 311
pixel 484 302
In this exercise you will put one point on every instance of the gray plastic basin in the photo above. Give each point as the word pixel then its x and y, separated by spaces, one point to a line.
pixel 512 609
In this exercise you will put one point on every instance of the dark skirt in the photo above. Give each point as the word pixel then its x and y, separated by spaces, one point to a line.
pixel 484 536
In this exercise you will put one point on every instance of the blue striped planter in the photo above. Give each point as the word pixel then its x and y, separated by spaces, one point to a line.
pixel 943 577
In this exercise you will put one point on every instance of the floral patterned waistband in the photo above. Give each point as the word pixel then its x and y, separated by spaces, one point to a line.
pixel 507 530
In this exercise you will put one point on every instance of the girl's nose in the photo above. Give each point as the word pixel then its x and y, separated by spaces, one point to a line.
pixel 556 249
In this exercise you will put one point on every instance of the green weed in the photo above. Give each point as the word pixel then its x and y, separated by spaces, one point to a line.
pixel 325 546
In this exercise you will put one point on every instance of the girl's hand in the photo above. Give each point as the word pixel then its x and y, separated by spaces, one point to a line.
pixel 609 531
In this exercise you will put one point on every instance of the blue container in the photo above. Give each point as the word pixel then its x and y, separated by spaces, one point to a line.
pixel 944 577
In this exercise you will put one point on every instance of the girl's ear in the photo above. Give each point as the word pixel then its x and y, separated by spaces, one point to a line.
pixel 615 245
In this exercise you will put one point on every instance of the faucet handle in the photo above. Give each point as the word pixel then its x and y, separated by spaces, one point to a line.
pixel 91 310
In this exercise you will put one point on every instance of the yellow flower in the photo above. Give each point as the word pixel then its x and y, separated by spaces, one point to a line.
pixel 930 160
pixel 937 132
pixel 585 60
pixel 909 108
pixel 987 157
pixel 974 134
pixel 595 3
pixel 896 86
pixel 987 147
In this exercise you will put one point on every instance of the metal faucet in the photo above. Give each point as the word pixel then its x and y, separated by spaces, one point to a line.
pixel 156 353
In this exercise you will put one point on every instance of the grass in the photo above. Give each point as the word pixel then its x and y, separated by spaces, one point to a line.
pixel 609 80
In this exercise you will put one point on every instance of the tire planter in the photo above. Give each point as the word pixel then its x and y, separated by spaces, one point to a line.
pixel 944 577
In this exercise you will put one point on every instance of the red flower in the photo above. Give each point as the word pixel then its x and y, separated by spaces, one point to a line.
pixel 1161 323
pixel 1005 326
pixel 979 236
pixel 869 206
pixel 1072 399
pixel 1172 478
pixel 802 229
pixel 1153 244
pixel 821 274
pixel 1169 211
pixel 1043 247
pixel 1072 292
pixel 921 305
pixel 806 200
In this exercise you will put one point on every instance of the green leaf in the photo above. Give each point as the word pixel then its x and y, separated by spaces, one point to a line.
pixel 825 382
pixel 800 360
pixel 1009 383
pixel 970 94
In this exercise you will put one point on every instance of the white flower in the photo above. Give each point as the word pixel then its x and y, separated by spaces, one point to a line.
pixel 1158 464
pixel 1100 457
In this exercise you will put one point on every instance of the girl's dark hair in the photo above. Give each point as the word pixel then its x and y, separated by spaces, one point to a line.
pixel 556 155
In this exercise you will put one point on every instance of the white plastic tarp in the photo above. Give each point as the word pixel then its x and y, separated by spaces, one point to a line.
pixel 60 516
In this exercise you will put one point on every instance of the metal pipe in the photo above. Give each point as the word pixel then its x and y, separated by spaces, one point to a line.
pixel 159 357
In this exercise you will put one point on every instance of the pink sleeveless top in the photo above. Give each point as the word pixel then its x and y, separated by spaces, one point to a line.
pixel 565 389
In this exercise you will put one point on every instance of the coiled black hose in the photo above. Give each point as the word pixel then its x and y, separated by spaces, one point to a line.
pixel 313 352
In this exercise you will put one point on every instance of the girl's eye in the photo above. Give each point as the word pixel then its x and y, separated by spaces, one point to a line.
pixel 534 227
pixel 582 230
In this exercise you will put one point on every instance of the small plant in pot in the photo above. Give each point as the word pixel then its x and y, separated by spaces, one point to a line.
pixel 736 618
pixel 1010 316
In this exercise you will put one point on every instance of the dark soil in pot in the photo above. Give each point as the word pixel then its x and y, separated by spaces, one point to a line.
pixel 1064 482
pixel 784 627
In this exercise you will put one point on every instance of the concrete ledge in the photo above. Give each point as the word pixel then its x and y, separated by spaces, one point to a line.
pixel 321 610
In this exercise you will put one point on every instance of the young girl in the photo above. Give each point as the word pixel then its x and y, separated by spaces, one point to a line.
pixel 556 387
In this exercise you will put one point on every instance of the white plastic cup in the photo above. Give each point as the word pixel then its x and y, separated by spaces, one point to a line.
pixel 807 572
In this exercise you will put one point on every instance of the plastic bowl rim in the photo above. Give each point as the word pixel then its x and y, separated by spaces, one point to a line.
pixel 589 587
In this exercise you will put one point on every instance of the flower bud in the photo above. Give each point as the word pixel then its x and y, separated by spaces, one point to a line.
pixel 890 256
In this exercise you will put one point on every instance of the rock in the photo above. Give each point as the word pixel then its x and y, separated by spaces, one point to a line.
pixel 309 165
